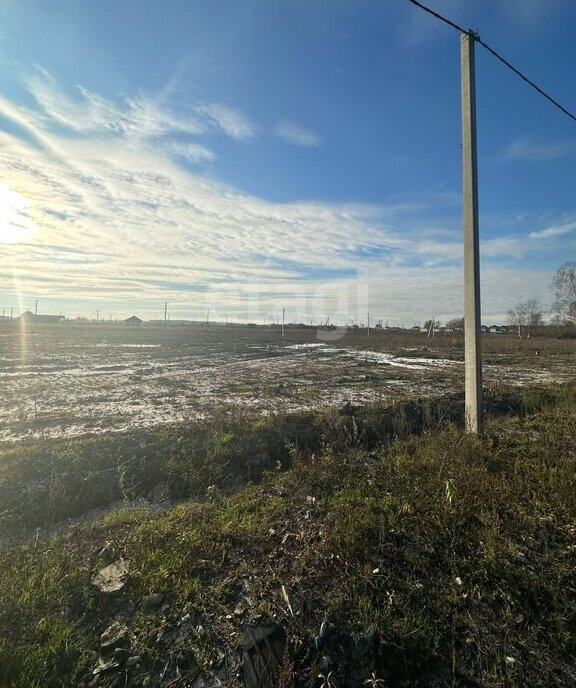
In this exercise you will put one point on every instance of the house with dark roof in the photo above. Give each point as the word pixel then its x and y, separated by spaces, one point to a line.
pixel 29 317
pixel 133 321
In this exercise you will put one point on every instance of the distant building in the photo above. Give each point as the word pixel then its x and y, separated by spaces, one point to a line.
pixel 133 321
pixel 30 317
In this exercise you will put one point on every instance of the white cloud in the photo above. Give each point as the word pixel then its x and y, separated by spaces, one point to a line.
pixel 296 135
pixel 547 239
pixel 230 121
pixel 192 152
pixel 554 231
pixel 119 222
pixel 526 149
pixel 138 117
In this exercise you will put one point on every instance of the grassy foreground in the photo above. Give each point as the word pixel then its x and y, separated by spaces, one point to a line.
pixel 436 560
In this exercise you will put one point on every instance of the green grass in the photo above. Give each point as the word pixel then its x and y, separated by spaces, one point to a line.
pixel 46 482
pixel 454 552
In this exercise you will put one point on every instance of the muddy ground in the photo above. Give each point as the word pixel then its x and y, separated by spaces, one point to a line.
pixel 69 380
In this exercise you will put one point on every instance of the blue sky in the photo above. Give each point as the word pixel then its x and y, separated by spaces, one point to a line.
pixel 245 156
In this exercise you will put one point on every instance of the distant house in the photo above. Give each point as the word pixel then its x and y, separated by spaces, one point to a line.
pixel 133 321
pixel 497 329
pixel 29 317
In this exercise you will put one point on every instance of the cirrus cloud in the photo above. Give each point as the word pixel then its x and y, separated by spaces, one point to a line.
pixel 298 136
pixel 526 149
pixel 119 219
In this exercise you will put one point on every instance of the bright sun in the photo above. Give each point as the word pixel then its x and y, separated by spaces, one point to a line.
pixel 15 223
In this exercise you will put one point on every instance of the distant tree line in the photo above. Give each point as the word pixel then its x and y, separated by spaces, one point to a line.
pixel 525 316
pixel 528 314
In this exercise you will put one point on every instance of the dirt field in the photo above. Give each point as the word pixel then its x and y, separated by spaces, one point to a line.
pixel 69 380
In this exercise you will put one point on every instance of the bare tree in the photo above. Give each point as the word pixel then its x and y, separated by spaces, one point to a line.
pixel 516 318
pixel 564 284
pixel 557 320
pixel 525 316
pixel 534 315
pixel 455 324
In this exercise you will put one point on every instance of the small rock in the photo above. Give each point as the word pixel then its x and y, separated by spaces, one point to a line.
pixel 116 635
pixel 105 665
pixel 132 661
pixel 510 661
pixel 111 578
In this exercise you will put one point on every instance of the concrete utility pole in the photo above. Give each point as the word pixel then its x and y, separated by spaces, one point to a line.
pixel 36 308
pixel 165 311
pixel 368 331
pixel 472 330
pixel 283 314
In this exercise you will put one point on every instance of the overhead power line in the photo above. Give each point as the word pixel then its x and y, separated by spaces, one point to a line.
pixel 505 62
pixel 526 79
pixel 441 18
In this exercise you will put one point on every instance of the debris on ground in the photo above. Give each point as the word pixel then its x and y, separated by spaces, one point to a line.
pixel 112 577
pixel 262 655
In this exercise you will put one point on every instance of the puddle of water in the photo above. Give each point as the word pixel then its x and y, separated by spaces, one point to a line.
pixel 75 383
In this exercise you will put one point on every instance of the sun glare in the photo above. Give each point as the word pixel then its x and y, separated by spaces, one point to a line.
pixel 15 222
